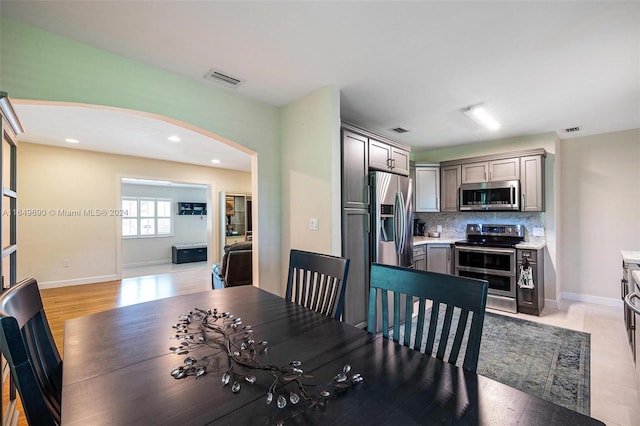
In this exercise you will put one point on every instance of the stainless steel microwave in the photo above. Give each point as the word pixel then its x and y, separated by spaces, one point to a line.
pixel 499 195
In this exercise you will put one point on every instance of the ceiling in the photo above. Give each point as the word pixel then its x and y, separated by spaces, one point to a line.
pixel 537 66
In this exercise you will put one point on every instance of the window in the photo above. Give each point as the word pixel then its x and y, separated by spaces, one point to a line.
pixel 146 217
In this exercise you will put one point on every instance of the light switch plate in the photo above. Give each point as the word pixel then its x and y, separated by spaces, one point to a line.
pixel 538 232
pixel 314 223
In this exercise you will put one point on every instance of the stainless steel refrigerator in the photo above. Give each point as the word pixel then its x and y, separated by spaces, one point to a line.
pixel 391 211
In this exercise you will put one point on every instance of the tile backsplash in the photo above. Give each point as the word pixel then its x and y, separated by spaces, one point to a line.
pixel 454 224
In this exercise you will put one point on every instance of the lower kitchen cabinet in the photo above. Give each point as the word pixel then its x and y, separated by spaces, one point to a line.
pixel 439 258
pixel 531 300
pixel 355 246
pixel 420 257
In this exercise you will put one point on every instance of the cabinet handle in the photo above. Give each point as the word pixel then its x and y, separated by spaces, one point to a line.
pixel 524 201
pixel 438 203
pixel 389 162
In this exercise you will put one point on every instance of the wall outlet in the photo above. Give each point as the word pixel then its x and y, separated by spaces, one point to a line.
pixel 537 232
pixel 439 228
pixel 314 223
pixel 65 263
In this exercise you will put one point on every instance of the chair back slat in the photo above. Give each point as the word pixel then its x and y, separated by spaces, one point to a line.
pixel 33 358
pixel 420 325
pixel 317 281
pixel 462 299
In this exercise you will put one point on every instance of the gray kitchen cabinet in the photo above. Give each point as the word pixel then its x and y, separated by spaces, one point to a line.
pixel 427 188
pixel 531 300
pixel 489 171
pixel 439 258
pixel 450 178
pixel 420 257
pixel 355 246
pixel 355 167
pixel 532 183
pixel 388 158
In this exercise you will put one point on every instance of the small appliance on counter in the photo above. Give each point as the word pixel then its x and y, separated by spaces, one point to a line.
pixel 418 228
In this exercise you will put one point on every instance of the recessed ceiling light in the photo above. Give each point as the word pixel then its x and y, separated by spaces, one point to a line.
pixel 215 161
pixel 174 138
pixel 71 140
pixel 480 115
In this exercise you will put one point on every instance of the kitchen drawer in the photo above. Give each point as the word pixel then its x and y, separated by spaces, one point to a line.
pixel 530 254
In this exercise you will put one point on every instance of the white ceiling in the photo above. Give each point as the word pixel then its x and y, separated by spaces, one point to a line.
pixel 538 66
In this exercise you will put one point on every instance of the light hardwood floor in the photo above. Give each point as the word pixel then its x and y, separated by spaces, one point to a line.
pixel 614 399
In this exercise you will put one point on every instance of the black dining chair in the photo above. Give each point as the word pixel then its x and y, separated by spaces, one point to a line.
pixel 458 296
pixel 317 281
pixel 28 346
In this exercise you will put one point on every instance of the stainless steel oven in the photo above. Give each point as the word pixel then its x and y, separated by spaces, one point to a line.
pixel 489 254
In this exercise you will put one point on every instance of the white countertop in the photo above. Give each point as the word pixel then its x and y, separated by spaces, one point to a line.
pixel 532 245
pixel 418 241
pixel 630 256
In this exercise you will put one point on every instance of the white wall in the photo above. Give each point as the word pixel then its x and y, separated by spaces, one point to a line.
pixel 600 207
pixel 311 174
pixel 187 229
pixel 54 179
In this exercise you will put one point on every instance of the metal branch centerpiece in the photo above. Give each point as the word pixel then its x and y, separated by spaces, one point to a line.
pixel 234 352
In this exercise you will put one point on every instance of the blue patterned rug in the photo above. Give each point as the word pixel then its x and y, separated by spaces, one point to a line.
pixel 549 362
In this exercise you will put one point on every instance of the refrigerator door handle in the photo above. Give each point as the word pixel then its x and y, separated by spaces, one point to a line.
pixel 401 225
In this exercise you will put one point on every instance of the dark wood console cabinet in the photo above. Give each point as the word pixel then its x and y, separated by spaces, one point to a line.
pixel 184 254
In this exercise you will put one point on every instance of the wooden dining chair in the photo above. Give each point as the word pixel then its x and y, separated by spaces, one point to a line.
pixel 317 281
pixel 28 346
pixel 458 296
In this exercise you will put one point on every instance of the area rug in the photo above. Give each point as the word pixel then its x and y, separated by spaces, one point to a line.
pixel 549 362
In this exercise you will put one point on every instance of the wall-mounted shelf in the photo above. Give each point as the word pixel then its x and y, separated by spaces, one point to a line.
pixel 189 208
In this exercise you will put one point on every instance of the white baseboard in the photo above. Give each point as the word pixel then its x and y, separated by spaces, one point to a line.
pixel 551 303
pixel 607 301
pixel 146 263
pixel 78 281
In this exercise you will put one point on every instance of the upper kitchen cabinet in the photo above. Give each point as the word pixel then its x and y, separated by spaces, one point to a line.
pixel 388 158
pixel 450 178
pixel 427 188
pixel 490 171
pixel 355 167
pixel 524 166
pixel 532 183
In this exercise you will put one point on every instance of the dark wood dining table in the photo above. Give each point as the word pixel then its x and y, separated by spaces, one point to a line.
pixel 117 367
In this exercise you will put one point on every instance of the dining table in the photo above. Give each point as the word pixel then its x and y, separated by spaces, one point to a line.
pixel 118 365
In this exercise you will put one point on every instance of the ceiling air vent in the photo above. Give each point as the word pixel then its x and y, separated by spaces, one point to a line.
pixel 399 130
pixel 224 78
pixel 572 129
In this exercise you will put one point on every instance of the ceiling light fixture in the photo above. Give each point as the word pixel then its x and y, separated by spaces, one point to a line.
pixel 215 161
pixel 479 114
pixel 71 140
pixel 174 138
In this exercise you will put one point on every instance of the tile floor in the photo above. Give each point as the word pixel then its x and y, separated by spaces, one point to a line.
pixel 614 398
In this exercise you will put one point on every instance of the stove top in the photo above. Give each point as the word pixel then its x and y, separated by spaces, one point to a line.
pixel 493 235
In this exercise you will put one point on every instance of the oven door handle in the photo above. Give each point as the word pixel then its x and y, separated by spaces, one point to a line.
pixel 628 300
pixel 486 250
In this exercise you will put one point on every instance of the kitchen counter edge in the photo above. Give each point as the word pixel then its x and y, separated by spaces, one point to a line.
pixel 418 241
pixel 630 256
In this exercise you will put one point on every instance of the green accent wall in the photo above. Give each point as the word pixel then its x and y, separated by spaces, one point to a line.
pixel 38 65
